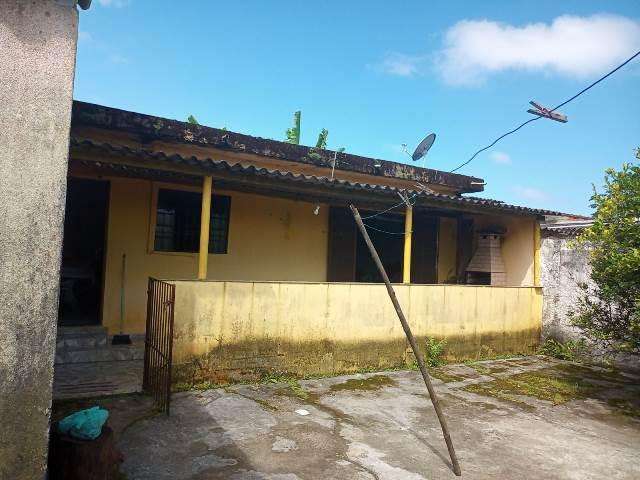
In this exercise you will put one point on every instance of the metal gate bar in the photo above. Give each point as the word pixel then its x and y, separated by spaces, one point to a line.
pixel 158 344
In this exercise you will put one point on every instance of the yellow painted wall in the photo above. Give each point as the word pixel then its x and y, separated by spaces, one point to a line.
pixel 321 328
pixel 517 245
pixel 269 239
pixel 447 245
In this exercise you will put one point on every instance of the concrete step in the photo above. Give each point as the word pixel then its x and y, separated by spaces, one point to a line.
pixel 108 353
pixel 81 337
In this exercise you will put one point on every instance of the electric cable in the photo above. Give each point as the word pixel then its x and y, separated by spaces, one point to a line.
pixel 514 131
pixel 552 110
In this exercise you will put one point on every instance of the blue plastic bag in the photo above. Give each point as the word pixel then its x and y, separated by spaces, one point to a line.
pixel 85 424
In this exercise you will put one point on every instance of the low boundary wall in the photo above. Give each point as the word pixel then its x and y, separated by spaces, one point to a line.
pixel 225 330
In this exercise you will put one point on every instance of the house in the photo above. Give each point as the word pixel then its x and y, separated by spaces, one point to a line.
pixel 281 267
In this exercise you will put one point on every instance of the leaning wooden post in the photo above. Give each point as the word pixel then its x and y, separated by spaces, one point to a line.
pixel 412 341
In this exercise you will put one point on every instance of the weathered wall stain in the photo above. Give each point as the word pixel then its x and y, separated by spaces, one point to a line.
pixel 564 267
pixel 231 330
pixel 38 59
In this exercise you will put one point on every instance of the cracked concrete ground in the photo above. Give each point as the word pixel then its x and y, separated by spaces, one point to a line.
pixel 568 422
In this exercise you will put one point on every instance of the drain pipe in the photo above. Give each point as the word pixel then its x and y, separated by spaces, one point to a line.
pixel 121 338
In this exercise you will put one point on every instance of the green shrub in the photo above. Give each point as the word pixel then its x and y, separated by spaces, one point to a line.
pixel 434 352
pixel 608 310
pixel 570 350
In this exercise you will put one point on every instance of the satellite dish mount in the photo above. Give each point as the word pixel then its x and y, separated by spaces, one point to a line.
pixel 422 148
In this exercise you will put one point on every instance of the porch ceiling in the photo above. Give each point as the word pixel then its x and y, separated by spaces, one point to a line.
pixel 121 160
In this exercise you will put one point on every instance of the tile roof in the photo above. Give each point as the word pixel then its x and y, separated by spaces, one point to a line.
pixel 148 129
pixel 567 228
pixel 208 164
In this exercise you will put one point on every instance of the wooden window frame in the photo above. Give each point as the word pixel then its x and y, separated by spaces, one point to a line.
pixel 153 214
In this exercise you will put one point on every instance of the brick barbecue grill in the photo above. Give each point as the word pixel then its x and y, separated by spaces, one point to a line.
pixel 486 266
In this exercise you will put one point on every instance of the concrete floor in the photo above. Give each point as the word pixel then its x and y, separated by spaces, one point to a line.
pixel 382 426
pixel 94 379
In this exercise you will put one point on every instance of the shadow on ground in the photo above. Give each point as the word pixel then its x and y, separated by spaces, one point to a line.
pixel 528 418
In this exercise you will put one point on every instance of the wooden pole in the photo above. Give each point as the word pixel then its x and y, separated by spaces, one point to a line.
pixel 408 229
pixel 205 219
pixel 412 341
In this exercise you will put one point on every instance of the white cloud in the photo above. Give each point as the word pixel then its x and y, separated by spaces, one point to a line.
pixel 530 193
pixel 113 3
pixel 571 46
pixel 500 158
pixel 401 65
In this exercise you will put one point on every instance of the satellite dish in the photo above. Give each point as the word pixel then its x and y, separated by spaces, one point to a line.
pixel 423 148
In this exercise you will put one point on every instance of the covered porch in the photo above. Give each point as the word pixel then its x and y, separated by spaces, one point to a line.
pixel 175 217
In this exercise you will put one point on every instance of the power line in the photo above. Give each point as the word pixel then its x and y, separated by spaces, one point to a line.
pixel 383 231
pixel 597 81
pixel 388 209
pixel 506 134
pixel 494 142
pixel 553 109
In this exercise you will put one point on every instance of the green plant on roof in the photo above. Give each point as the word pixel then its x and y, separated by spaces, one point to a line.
pixel 322 139
pixel 293 136
pixel 293 133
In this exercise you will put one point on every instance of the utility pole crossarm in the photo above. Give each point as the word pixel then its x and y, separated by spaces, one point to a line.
pixel 546 113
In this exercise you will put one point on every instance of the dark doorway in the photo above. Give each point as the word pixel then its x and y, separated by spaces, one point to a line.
pixel 83 251
pixel 349 259
pixel 386 233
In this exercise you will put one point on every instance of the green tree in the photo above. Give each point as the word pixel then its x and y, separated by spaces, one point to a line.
pixel 609 310
pixel 192 120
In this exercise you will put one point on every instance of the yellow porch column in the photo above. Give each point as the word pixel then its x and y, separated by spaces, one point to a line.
pixel 408 229
pixel 205 220
pixel 537 267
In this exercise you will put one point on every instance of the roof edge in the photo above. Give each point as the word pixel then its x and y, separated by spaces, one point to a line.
pixel 210 164
pixel 151 128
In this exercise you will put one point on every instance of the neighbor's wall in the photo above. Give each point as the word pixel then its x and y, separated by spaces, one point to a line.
pixel 269 239
pixel 227 329
pixel 517 245
pixel 563 267
pixel 37 62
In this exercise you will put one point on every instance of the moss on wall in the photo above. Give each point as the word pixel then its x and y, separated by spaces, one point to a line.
pixel 233 330
pixel 251 359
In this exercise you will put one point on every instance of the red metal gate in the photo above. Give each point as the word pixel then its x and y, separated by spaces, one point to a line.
pixel 158 344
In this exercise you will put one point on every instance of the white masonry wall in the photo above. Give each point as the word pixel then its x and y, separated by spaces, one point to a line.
pixel 564 267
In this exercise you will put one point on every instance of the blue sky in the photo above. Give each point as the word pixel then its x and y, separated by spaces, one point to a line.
pixel 377 74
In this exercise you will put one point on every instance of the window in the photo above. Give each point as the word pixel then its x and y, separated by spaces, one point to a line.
pixel 178 222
